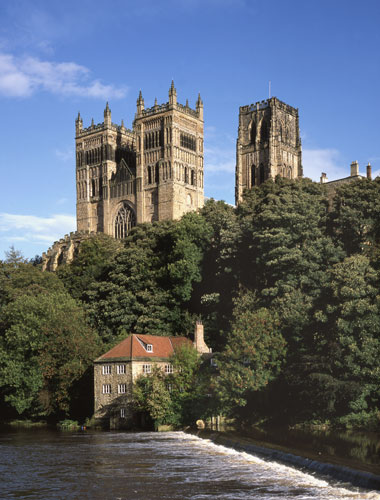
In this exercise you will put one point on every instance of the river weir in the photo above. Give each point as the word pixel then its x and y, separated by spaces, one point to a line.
pixel 131 466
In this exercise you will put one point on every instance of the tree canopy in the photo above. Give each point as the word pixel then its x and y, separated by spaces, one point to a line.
pixel 287 285
pixel 46 344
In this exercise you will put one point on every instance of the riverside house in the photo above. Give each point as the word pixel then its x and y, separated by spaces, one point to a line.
pixel 116 371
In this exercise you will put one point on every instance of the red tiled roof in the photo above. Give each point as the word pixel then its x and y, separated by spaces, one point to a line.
pixel 134 347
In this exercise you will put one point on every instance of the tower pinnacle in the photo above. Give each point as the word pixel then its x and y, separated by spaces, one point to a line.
pixel 107 115
pixel 199 107
pixel 140 104
pixel 78 123
pixel 172 94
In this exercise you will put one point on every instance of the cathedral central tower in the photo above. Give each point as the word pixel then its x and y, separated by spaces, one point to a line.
pixel 268 144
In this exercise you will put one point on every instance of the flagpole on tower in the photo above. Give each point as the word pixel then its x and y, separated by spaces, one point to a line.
pixel 269 89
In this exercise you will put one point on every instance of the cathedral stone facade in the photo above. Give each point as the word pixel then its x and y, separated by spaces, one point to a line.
pixel 154 171
pixel 151 173
pixel 268 144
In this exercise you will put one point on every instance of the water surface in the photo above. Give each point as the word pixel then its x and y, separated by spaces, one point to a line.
pixel 149 466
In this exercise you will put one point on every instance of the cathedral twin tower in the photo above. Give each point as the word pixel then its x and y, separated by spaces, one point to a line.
pixel 152 172
pixel 155 171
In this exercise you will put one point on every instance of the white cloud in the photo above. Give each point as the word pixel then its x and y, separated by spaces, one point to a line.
pixel 33 229
pixel 62 201
pixel 65 155
pixel 220 155
pixel 219 160
pixel 21 77
pixel 316 161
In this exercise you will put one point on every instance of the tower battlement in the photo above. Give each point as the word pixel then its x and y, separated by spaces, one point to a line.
pixel 100 126
pixel 163 108
pixel 272 101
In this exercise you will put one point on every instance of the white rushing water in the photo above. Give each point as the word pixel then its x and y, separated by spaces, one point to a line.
pixel 211 462
pixel 150 466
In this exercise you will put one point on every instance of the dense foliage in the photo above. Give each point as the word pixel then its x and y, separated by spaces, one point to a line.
pixel 46 345
pixel 287 286
pixel 253 354
pixel 178 398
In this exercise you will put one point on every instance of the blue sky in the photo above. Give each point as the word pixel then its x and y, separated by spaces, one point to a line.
pixel 58 58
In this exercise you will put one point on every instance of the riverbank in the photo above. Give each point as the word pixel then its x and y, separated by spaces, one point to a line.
pixel 340 468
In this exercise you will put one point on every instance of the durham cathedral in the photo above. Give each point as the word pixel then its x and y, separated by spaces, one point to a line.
pixel 154 171
pixel 150 173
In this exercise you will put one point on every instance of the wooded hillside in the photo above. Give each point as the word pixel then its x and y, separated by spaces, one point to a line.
pixel 288 291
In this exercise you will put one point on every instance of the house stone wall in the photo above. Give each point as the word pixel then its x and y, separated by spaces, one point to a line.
pixel 108 406
pixel 107 409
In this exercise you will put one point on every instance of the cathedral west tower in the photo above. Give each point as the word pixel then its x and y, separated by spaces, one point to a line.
pixel 150 173
pixel 169 158
pixel 268 144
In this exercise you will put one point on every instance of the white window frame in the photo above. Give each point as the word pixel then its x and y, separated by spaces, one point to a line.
pixel 149 348
pixel 122 412
pixel 106 389
pixel 147 368
pixel 120 369
pixel 169 368
pixel 106 369
pixel 121 388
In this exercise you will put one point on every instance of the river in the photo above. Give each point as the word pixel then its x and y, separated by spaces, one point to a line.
pixel 46 464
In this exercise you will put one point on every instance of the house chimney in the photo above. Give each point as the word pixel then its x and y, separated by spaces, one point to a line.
pixel 354 168
pixel 199 341
pixel 369 171
pixel 323 178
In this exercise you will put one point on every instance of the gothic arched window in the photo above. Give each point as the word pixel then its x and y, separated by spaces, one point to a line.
pixel 264 133
pixel 253 175
pixel 262 173
pixel 253 133
pixel 157 173
pixel 288 135
pixel 124 221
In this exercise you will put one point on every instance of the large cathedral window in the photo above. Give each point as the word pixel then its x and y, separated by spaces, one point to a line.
pixel 264 131
pixel 253 133
pixel 262 173
pixel 124 221
pixel 253 175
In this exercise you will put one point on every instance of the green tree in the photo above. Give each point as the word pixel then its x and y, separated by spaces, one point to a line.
pixel 46 344
pixel 285 250
pixel 147 289
pixel 179 398
pixel 253 355
pixel 213 296
pixel 355 217
pixel 191 385
pixel 14 257
pixel 347 335
pixel 95 255
pixel 151 396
